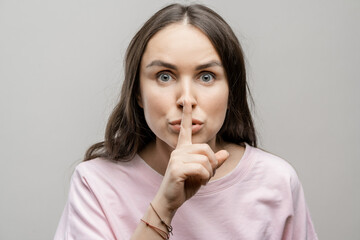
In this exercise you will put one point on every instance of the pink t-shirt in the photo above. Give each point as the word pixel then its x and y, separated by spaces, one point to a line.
pixel 261 199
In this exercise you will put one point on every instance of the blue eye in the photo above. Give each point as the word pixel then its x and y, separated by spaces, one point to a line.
pixel 207 77
pixel 164 77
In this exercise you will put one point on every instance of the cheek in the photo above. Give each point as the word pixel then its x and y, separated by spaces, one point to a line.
pixel 216 103
pixel 219 109
pixel 216 108
pixel 155 106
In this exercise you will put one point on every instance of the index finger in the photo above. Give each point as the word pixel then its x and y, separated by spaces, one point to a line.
pixel 186 125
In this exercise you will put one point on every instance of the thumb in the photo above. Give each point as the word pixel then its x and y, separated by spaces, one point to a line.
pixel 221 156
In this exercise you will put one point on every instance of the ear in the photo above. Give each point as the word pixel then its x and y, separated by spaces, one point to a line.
pixel 139 100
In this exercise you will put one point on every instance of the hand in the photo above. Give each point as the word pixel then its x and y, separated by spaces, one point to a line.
pixel 190 166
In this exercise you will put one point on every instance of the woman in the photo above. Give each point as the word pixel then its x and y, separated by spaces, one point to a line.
pixel 179 156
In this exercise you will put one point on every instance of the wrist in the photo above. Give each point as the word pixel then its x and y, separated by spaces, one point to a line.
pixel 163 209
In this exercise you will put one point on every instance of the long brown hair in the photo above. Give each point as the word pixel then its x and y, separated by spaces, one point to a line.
pixel 127 131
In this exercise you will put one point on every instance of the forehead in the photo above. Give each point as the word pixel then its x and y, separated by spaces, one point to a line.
pixel 180 42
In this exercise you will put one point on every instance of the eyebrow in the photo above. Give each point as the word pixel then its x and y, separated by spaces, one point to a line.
pixel 161 64
pixel 171 66
pixel 209 64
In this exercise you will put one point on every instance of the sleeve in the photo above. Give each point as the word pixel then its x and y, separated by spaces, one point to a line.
pixel 83 218
pixel 299 226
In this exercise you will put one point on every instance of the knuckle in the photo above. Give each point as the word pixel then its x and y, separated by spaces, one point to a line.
pixel 205 146
pixel 200 169
pixel 207 175
pixel 207 149
pixel 202 159
pixel 197 169
pixel 202 172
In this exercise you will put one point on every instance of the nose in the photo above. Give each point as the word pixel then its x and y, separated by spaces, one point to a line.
pixel 186 94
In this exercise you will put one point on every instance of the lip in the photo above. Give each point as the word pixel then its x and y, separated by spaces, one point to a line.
pixel 197 125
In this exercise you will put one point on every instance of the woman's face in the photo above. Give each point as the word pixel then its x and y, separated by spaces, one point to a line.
pixel 180 64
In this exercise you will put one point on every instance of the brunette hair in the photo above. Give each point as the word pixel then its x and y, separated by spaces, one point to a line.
pixel 127 131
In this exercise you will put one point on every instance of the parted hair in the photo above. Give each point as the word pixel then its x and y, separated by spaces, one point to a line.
pixel 127 132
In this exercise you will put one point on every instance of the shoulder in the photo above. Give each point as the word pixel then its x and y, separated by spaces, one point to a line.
pixel 101 168
pixel 97 164
pixel 273 162
pixel 273 168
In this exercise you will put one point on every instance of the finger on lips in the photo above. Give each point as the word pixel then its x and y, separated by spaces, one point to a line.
pixel 186 125
pixel 206 157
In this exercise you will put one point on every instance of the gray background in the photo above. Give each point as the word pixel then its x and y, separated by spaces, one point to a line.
pixel 61 71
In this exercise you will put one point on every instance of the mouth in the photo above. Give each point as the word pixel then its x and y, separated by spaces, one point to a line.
pixel 196 125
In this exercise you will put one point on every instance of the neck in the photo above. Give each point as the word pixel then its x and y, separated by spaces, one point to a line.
pixel 162 153
pixel 157 154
